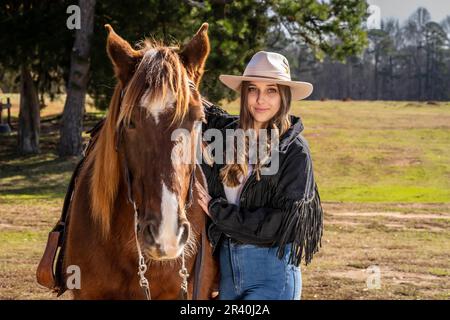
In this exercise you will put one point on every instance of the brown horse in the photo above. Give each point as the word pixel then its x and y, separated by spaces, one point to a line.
pixel 132 164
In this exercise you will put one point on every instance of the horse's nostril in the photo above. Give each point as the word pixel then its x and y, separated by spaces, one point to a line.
pixel 185 232
pixel 153 229
pixel 150 233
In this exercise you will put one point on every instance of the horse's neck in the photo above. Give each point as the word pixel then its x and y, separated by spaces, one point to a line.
pixel 85 244
pixel 111 263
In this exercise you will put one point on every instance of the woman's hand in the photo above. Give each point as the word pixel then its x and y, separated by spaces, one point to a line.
pixel 204 197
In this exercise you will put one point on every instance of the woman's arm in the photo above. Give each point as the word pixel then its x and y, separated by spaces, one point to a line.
pixel 258 226
pixel 216 117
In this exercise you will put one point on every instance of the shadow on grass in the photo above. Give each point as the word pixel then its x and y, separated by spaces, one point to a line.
pixel 41 179
pixel 38 192
pixel 44 175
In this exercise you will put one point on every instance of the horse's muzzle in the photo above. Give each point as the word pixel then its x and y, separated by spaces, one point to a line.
pixel 163 244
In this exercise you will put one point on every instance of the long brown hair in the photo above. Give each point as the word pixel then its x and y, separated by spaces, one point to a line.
pixel 232 172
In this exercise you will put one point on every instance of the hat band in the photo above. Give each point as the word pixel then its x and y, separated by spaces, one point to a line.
pixel 266 77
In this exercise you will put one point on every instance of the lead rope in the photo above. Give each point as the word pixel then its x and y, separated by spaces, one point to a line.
pixel 142 268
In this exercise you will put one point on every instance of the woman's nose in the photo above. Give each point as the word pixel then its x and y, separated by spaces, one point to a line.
pixel 260 97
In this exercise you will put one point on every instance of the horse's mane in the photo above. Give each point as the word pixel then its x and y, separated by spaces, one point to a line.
pixel 160 73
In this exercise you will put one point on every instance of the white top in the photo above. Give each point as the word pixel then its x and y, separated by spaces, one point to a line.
pixel 233 193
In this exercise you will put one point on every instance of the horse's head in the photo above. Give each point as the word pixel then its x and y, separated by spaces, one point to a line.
pixel 159 96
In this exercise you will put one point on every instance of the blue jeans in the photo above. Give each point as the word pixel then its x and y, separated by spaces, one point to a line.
pixel 250 272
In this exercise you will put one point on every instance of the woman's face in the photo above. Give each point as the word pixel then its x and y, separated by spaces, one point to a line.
pixel 263 102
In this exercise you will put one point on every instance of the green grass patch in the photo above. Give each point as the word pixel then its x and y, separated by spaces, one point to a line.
pixel 11 241
pixel 362 152
pixel 379 151
pixel 440 272
pixel 384 193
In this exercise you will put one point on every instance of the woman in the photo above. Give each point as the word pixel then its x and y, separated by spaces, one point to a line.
pixel 263 224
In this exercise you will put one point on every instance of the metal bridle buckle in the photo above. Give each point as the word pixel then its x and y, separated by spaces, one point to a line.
pixel 183 274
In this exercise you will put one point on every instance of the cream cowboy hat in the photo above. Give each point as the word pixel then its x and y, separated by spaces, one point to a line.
pixel 271 67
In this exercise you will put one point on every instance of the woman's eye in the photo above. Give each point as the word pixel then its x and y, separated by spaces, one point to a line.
pixel 251 89
pixel 272 90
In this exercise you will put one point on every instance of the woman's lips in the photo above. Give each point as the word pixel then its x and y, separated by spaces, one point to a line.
pixel 261 109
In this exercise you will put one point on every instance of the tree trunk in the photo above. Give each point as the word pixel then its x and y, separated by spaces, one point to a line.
pixel 349 77
pixel 419 74
pixel 72 119
pixel 29 117
pixel 375 80
pixel 427 67
pixel 391 93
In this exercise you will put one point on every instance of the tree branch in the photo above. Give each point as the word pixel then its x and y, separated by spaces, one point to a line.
pixel 195 4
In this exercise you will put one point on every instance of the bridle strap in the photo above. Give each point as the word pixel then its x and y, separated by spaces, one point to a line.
pixel 191 188
pixel 142 266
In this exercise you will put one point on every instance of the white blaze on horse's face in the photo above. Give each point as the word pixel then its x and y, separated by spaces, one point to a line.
pixel 170 233
pixel 155 108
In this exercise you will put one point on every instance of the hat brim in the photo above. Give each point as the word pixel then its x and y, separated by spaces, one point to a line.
pixel 299 89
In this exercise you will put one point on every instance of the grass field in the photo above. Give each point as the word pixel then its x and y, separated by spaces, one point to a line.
pixel 383 170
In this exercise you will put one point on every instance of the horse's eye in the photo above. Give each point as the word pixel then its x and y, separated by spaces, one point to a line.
pixel 131 125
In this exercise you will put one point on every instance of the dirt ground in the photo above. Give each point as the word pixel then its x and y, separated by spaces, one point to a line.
pixel 407 244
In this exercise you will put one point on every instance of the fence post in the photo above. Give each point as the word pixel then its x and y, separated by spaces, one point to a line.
pixel 5 128
pixel 8 105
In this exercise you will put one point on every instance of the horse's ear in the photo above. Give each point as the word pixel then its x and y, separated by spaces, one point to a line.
pixel 122 55
pixel 195 53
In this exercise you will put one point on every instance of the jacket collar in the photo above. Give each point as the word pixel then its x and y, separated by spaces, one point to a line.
pixel 291 134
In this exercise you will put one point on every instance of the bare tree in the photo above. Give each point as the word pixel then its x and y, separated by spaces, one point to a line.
pixel 29 117
pixel 72 119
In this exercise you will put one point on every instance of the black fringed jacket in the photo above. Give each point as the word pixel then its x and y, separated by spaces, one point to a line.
pixel 274 211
